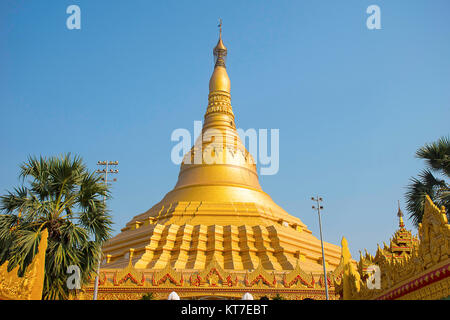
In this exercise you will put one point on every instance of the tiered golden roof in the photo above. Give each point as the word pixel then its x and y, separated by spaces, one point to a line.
pixel 402 244
pixel 217 209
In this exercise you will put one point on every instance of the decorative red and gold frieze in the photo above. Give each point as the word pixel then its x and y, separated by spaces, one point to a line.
pixel 213 281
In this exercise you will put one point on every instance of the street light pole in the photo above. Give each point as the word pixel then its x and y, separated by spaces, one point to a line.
pixel 319 207
pixel 105 172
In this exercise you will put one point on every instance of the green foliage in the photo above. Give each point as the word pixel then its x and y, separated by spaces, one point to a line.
pixel 431 181
pixel 278 297
pixel 61 195
pixel 148 296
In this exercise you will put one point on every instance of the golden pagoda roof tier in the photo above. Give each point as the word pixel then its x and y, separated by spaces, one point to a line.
pixel 226 204
pixel 236 247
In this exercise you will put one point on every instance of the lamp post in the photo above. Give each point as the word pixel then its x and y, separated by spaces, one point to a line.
pixel 319 207
pixel 104 171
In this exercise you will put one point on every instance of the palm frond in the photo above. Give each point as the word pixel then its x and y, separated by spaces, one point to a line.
pixel 437 155
pixel 427 184
pixel 24 247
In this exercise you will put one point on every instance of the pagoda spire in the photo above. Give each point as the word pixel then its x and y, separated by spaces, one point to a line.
pixel 220 51
pixel 401 224
pixel 219 79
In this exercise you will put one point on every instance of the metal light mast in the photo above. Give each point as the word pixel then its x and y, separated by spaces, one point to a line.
pixel 105 170
pixel 319 207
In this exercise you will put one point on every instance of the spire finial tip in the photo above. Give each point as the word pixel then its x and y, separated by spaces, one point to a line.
pixel 220 27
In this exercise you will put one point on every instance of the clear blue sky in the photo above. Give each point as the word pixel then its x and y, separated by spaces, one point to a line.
pixel 352 104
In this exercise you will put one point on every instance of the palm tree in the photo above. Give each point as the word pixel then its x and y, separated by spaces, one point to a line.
pixel 61 195
pixel 432 180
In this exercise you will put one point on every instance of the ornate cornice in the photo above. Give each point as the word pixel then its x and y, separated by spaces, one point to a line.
pixel 131 283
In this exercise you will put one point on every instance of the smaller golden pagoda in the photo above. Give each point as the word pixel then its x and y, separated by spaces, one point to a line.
pixel 402 244
pixel 411 268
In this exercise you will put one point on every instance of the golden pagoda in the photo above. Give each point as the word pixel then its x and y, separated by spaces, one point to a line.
pixel 217 230
pixel 412 268
pixel 402 245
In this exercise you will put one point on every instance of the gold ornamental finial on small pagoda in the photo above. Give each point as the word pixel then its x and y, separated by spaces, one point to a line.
pixel 400 216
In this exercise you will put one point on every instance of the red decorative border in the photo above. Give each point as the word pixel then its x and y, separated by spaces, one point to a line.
pixel 126 277
pixel 417 283
pixel 165 277
pixel 257 279
pixel 295 280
